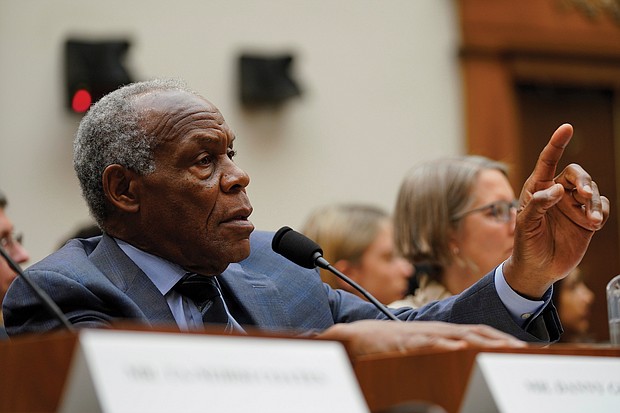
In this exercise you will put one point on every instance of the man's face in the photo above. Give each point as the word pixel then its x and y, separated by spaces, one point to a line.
pixel 15 251
pixel 193 208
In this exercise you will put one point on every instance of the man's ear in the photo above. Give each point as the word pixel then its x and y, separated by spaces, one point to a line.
pixel 120 186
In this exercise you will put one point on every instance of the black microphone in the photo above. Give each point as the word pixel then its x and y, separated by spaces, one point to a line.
pixel 306 253
pixel 49 304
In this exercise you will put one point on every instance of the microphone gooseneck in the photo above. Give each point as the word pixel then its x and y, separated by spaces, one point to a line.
pixel 306 253
pixel 48 303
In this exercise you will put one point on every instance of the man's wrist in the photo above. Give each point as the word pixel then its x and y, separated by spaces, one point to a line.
pixel 525 283
pixel 521 309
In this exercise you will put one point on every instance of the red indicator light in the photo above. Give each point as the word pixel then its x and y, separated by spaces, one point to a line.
pixel 81 101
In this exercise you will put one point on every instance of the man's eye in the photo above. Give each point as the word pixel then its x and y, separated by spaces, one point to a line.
pixel 232 153
pixel 205 160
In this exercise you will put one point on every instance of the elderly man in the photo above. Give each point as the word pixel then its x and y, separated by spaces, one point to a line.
pixel 155 163
pixel 10 243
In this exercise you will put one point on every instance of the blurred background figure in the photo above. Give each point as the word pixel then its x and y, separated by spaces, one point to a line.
pixel 573 299
pixel 358 241
pixel 11 243
pixel 455 220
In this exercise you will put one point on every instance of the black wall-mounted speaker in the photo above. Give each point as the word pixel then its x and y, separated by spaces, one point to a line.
pixel 266 80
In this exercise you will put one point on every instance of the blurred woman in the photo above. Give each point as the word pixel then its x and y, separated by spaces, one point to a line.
pixel 573 299
pixel 358 241
pixel 455 220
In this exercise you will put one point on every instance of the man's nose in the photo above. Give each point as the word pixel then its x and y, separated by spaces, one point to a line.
pixel 234 177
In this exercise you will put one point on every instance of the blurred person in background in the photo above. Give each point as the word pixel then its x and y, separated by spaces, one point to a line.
pixel 358 240
pixel 455 220
pixel 573 300
pixel 11 244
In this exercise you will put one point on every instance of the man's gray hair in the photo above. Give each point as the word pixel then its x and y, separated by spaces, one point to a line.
pixel 111 133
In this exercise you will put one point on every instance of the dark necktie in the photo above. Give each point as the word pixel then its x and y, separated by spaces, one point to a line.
pixel 205 293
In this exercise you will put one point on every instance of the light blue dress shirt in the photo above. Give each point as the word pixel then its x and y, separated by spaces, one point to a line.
pixel 520 308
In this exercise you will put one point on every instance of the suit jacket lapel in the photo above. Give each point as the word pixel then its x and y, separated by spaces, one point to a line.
pixel 257 295
pixel 130 279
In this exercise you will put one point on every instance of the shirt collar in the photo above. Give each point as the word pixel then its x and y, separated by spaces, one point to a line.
pixel 161 272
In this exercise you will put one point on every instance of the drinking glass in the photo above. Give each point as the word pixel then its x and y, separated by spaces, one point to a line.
pixel 613 308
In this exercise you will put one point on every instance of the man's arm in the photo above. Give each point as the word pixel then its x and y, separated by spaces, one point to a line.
pixel 24 312
pixel 377 336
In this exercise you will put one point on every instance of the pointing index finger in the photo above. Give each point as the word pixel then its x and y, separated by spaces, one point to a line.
pixel 550 156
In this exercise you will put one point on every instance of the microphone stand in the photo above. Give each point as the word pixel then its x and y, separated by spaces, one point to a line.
pixel 323 263
pixel 43 296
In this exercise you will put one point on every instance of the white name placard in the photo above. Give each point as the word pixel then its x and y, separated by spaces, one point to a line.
pixel 122 371
pixel 517 383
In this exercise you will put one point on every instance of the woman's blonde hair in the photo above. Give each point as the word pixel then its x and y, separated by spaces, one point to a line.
pixel 431 195
pixel 344 232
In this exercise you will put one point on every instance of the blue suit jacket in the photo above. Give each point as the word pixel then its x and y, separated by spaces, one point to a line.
pixel 96 284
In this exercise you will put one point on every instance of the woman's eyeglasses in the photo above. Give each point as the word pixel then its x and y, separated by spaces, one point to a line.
pixel 10 241
pixel 500 210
